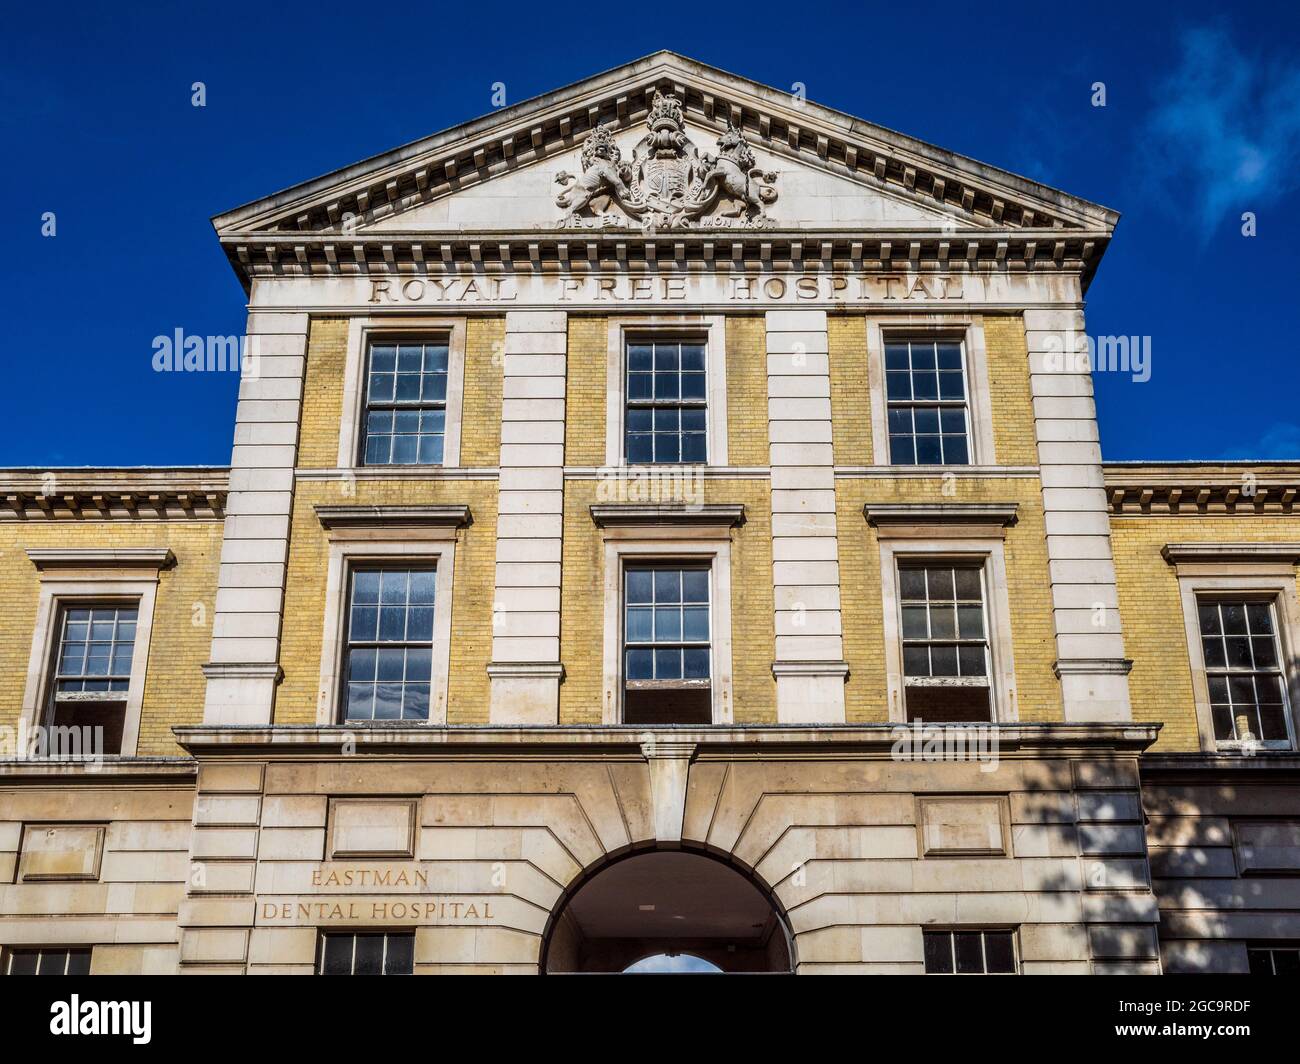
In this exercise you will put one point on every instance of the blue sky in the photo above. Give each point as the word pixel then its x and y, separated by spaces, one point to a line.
pixel 1201 124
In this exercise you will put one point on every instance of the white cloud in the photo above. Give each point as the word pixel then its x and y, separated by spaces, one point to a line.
pixel 1226 127
pixel 1279 442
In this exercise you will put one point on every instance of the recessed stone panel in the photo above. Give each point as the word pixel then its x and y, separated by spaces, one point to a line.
pixel 60 851
pixel 954 827
pixel 1267 846
pixel 372 827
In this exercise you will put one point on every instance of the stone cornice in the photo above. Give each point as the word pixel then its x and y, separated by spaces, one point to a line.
pixel 112 494
pixel 614 514
pixel 269 255
pixel 1245 553
pixel 1204 489
pixel 1265 767
pixel 580 742
pixel 388 517
pixel 131 771
pixel 49 559
pixel 955 519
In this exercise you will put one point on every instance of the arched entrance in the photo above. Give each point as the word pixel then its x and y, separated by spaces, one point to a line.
pixel 667 911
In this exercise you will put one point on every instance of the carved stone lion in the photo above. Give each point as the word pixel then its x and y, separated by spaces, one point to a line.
pixel 604 176
pixel 732 176
pixel 667 182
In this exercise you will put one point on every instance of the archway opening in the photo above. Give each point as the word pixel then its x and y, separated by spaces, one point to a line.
pixel 668 911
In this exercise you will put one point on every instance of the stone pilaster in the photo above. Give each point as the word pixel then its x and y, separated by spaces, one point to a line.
pixel 1085 604
pixel 243 669
pixel 525 669
pixel 809 666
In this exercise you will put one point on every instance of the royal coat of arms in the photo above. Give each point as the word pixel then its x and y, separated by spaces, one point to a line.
pixel 668 183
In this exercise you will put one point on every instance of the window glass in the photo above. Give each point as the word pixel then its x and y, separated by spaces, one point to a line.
pixel 406 403
pixel 944 641
pixel 667 644
pixel 666 414
pixel 388 667
pixel 925 392
pixel 964 951
pixel 367 954
pixel 1243 672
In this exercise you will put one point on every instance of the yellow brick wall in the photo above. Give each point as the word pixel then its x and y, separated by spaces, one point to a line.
pixel 322 410
pixel 584 405
pixel 480 435
pixel 747 391
pixel 582 612
pixel 1151 610
pixel 182 622
pixel 1009 395
pixel 472 589
pixel 1038 694
pixel 322 393
pixel 850 391
pixel 588 361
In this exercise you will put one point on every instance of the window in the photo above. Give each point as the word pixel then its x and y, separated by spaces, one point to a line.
pixel 1274 960
pixel 1243 671
pixel 389 656
pixel 666 632
pixel 92 669
pixel 926 398
pixel 945 641
pixel 369 954
pixel 666 417
pixel 969 952
pixel 48 962
pixel 406 403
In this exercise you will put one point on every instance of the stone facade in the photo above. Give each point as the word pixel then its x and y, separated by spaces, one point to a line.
pixel 526 823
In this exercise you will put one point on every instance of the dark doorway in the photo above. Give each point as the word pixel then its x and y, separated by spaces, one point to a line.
pixel 668 911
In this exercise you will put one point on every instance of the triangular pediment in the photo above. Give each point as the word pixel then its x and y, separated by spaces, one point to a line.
pixel 524 198
pixel 831 173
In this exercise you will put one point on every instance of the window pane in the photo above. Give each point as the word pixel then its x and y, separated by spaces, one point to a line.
pixel 943 660
pixel 695 585
pixel 939 583
pixel 912 582
pixel 1260 618
pixel 914 622
pixel 928 450
pixel 916 661
pixel 369 956
pixel 1234 618
pixel 336 955
pixel 696 663
pixel 668 664
pixel 938 952
pixel 695 623
pixel 971 661
pixel 1209 616
pixel 668 624
pixel 668 585
pixel 999 953
pixel 640 664
pixel 23 962
pixel 970 952
pixel 78 962
pixel 902 450
pixel 640 627
pixel 400 959
pixel 640 585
